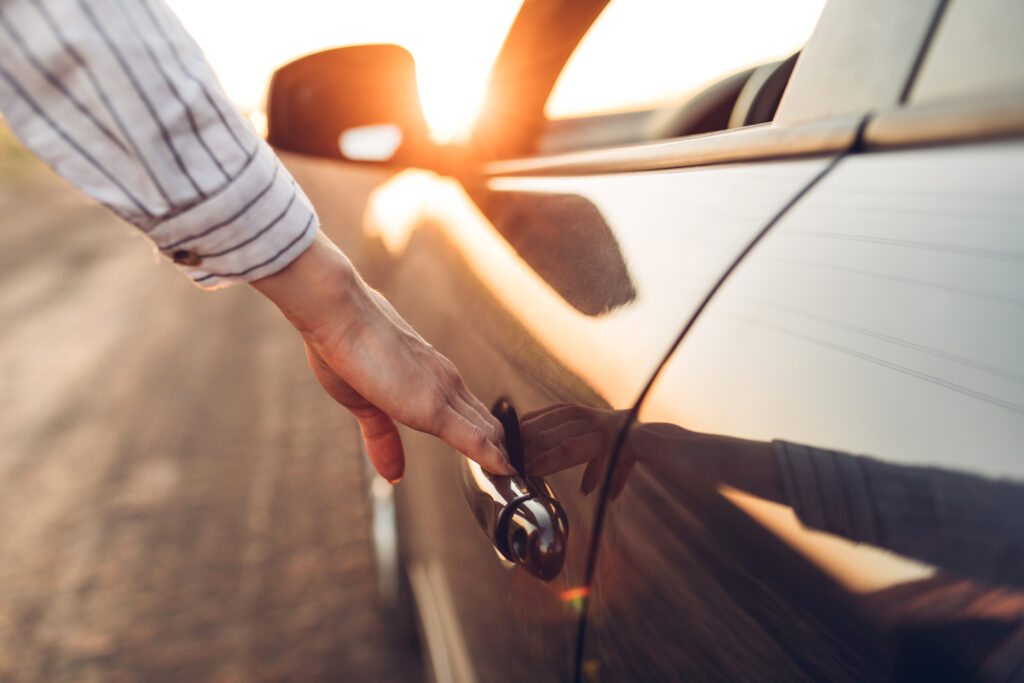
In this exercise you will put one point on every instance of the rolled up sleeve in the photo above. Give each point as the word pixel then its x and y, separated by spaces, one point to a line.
pixel 252 227
pixel 117 97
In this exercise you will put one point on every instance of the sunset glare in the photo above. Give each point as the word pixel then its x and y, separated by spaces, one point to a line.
pixel 454 43
pixel 643 53
pixel 639 53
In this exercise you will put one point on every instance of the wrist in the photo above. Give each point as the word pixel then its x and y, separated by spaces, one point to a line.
pixel 320 285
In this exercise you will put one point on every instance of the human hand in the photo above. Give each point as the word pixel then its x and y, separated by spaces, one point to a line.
pixel 371 361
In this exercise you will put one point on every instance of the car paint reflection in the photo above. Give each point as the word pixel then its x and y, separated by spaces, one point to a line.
pixel 566 241
pixel 668 230
pixel 447 265
pixel 964 524
pixel 880 317
pixel 444 264
pixel 961 522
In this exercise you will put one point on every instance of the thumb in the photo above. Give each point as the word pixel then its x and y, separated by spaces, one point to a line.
pixel 383 444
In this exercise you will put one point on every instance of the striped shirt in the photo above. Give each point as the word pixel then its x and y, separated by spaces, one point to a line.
pixel 963 523
pixel 118 98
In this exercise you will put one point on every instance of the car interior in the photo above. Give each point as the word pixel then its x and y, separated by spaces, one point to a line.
pixel 745 98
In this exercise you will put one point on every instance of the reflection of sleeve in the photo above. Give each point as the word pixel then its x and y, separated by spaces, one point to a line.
pixel 967 524
pixel 118 98
pixel 1006 664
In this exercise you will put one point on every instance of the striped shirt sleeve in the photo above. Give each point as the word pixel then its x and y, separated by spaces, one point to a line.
pixel 117 97
pixel 964 523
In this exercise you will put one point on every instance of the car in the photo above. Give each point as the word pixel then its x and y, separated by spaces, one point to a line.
pixel 759 350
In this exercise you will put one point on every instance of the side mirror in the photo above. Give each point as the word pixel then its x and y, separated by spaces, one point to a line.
pixel 358 103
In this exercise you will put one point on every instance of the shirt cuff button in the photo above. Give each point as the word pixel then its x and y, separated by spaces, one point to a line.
pixel 184 257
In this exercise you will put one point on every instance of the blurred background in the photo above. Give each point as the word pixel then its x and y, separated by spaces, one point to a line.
pixel 180 500
pixel 453 41
pixel 621 64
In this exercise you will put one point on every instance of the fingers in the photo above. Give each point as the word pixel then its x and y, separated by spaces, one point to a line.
pixel 620 476
pixel 465 420
pixel 556 411
pixel 470 440
pixel 383 444
pixel 491 425
pixel 539 437
pixel 380 435
pixel 592 475
pixel 565 452
pixel 563 436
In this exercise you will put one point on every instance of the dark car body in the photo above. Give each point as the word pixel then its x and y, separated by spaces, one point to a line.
pixel 846 275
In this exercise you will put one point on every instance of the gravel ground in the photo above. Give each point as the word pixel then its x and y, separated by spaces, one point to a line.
pixel 179 500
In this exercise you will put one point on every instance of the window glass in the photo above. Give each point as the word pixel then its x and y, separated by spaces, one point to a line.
pixel 976 52
pixel 640 54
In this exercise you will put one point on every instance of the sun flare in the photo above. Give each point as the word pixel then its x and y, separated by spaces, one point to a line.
pixel 453 42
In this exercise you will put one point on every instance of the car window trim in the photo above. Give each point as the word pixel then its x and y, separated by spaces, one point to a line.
pixel 952 121
pixel 753 143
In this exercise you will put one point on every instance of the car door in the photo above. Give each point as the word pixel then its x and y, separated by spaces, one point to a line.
pixel 590 334
pixel 564 278
pixel 558 279
pixel 825 479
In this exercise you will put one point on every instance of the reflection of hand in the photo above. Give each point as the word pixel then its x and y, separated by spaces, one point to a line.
pixel 370 361
pixel 562 436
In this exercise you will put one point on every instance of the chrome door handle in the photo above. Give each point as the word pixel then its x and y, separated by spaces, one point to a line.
pixel 520 514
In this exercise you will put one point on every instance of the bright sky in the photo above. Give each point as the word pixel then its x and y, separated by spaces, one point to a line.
pixel 453 41
pixel 643 52
pixel 639 52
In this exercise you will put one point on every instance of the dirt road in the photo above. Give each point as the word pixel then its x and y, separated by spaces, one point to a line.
pixel 178 499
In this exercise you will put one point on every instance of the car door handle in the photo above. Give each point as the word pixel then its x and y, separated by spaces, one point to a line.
pixel 520 514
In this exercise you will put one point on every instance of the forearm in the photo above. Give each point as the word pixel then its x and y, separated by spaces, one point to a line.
pixel 741 463
pixel 319 285
pixel 748 466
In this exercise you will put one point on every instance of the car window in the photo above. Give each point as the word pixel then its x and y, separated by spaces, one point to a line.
pixel 643 55
pixel 976 52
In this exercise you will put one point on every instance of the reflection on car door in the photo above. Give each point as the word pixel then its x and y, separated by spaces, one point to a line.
pixel 544 290
pixel 868 351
